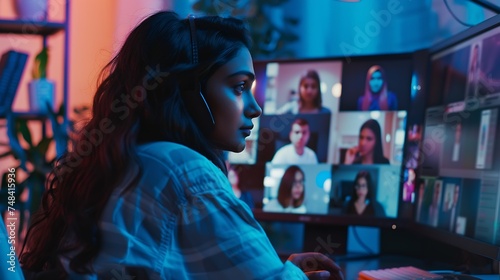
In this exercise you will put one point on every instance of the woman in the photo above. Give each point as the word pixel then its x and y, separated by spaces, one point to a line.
pixel 369 149
pixel 362 202
pixel 310 97
pixel 290 193
pixel 143 192
pixel 376 95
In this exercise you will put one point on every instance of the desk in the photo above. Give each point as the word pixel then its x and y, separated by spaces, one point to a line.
pixel 398 248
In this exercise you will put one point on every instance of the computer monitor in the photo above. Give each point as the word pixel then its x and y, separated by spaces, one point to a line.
pixel 458 189
pixel 337 143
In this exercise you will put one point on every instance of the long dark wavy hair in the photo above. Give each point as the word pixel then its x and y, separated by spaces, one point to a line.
pixel 138 100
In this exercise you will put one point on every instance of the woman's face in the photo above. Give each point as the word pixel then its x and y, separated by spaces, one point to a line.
pixel 366 142
pixel 309 89
pixel 232 103
pixel 361 188
pixel 298 185
pixel 376 82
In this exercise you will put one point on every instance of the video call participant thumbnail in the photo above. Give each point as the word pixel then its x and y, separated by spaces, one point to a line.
pixel 297 189
pixel 386 86
pixel 297 151
pixel 376 95
pixel 364 190
pixel 291 193
pixel 362 201
pixel 293 139
pixel 310 97
pixel 369 149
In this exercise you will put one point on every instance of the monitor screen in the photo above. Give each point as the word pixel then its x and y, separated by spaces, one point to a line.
pixel 327 146
pixel 458 187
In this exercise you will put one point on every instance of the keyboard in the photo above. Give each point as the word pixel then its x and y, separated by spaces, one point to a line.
pixel 399 273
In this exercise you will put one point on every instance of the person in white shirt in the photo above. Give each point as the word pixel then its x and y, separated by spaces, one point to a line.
pixel 296 152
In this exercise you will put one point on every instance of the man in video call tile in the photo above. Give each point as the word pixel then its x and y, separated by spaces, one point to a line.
pixel 296 151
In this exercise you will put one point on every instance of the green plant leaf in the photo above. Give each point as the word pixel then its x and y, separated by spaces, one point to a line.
pixel 40 64
pixel 60 130
pixel 37 187
pixel 62 110
pixel 43 145
pixel 3 186
pixel 25 131
pixel 12 132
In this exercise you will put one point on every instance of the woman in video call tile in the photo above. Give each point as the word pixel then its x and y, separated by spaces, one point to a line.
pixel 369 149
pixel 291 193
pixel 310 98
pixel 362 202
pixel 376 95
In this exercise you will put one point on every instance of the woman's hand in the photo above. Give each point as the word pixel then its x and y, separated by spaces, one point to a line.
pixel 350 155
pixel 317 266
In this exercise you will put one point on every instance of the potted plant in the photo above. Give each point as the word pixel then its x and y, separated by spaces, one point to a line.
pixel 41 90
pixel 34 161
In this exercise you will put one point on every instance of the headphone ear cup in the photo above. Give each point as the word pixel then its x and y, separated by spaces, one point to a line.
pixel 199 110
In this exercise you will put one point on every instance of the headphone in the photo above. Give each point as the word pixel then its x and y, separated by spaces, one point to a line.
pixel 194 99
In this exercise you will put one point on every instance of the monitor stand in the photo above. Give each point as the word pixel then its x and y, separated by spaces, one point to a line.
pixel 327 239
pixel 342 242
pixel 339 242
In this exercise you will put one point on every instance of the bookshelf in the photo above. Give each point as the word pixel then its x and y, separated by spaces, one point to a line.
pixel 44 29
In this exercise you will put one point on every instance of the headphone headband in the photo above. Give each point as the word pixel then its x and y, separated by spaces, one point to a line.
pixel 196 103
pixel 194 45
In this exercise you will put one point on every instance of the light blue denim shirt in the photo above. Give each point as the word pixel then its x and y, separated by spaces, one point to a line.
pixel 182 221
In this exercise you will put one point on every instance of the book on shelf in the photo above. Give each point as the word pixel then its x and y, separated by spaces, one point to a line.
pixel 12 64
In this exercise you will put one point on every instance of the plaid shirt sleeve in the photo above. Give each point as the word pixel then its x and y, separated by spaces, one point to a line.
pixel 218 237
